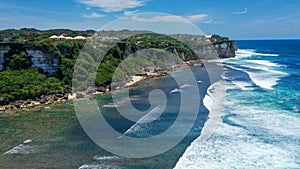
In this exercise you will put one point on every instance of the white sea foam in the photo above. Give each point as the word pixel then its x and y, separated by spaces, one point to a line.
pixel 257 136
pixel 273 121
pixel 266 54
pixel 111 105
pixel 220 64
pixel 265 78
pixel 242 85
pixel 185 85
pixel 27 141
pixel 149 117
pixel 214 96
pixel 220 61
pixel 21 149
pixel 232 147
pixel 242 53
pixel 176 90
pixel 97 166
pixel 264 62
pixel 115 104
pixel 98 157
pixel 295 109
pixel 225 77
pixel 264 68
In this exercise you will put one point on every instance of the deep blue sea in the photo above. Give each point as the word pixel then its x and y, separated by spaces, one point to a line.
pixel 255 121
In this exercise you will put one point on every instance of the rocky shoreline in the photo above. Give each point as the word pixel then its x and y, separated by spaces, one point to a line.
pixel 47 58
pixel 67 95
pixel 17 105
pixel 38 101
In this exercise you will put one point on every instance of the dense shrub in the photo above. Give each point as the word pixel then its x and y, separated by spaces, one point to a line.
pixel 27 83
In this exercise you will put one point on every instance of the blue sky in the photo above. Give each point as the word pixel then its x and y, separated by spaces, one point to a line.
pixel 238 19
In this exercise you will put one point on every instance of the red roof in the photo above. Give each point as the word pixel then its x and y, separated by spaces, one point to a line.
pixel 63 34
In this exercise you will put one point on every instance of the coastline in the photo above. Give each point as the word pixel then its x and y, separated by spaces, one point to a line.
pixel 19 105
pixel 59 121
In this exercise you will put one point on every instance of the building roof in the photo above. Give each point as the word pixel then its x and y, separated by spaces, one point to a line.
pixel 53 37
pixel 66 37
pixel 64 34
pixel 208 36
pixel 80 37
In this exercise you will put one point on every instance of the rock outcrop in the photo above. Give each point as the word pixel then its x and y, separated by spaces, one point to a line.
pixel 3 50
pixel 208 51
pixel 42 59
pixel 226 49
pixel 48 63
pixel 39 58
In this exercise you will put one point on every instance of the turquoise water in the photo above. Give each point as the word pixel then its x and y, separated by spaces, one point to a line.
pixel 58 140
pixel 258 127
pixel 260 124
pixel 139 98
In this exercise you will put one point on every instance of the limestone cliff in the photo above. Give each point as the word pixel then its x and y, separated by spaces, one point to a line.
pixel 3 50
pixel 226 49
pixel 188 47
pixel 45 61
pixel 40 58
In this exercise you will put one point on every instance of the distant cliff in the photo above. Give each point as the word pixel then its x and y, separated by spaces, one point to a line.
pixel 47 57
pixel 221 50
pixel 40 58
pixel 35 64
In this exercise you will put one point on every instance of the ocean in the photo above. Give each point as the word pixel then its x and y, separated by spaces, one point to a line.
pixel 260 124
pixel 248 117
pixel 258 117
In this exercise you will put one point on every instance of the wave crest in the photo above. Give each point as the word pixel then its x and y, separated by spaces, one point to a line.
pixel 242 53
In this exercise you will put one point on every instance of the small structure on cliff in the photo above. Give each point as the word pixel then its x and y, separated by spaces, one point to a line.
pixel 65 37
pixel 208 36
pixel 53 37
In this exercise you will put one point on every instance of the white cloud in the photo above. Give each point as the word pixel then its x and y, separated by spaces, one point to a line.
pixel 218 22
pixel 113 5
pixel 126 13
pixel 212 21
pixel 179 19
pixel 93 15
pixel 241 12
pixel 195 18
pixel 158 18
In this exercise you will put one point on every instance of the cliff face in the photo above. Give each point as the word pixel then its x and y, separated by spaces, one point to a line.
pixel 3 50
pixel 49 63
pixel 40 59
pixel 226 49
pixel 219 50
pixel 204 49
